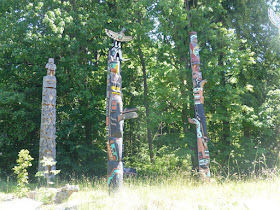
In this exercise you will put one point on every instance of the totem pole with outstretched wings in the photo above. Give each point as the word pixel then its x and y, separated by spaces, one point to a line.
pixel 115 115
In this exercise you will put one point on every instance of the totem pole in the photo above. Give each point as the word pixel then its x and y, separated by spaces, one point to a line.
pixel 48 117
pixel 115 115
pixel 274 18
pixel 199 120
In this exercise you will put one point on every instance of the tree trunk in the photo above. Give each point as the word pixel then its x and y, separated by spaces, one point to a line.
pixel 225 122
pixel 146 104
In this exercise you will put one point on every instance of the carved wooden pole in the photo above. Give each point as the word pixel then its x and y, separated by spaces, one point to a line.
pixel 48 117
pixel 114 111
pixel 199 120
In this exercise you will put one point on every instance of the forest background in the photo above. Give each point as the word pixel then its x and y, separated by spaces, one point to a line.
pixel 239 59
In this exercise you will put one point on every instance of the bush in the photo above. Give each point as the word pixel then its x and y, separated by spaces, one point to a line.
pixel 24 161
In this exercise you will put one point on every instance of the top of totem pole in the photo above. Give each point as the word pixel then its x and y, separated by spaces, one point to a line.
pixel 274 18
pixel 193 36
pixel 120 36
pixel 51 67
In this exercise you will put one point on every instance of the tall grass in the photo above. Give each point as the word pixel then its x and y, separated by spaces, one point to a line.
pixel 176 191
pixel 181 192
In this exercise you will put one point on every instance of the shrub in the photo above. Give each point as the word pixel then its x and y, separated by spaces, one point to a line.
pixel 23 162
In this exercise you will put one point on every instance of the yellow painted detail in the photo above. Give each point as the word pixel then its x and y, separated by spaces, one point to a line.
pixel 115 88
pixel 116 93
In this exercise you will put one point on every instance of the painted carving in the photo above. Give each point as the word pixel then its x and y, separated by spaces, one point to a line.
pixel 199 120
pixel 120 37
pixel 48 116
pixel 115 115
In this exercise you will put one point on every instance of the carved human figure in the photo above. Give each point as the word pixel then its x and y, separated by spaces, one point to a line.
pixel 51 67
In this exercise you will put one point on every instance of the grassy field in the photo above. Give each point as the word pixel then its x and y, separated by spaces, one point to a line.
pixel 175 192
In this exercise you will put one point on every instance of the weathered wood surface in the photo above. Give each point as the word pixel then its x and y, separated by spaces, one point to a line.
pixel 48 116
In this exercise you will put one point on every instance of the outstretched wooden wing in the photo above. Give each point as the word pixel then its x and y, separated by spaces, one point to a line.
pixel 126 38
pixel 118 36
pixel 274 18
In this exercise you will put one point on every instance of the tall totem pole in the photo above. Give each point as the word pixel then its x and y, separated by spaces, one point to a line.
pixel 199 120
pixel 48 117
pixel 115 115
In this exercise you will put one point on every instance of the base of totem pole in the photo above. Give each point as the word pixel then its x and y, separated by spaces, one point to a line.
pixel 203 177
pixel 115 175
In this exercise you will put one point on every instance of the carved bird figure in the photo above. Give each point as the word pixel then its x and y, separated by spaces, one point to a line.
pixel 120 37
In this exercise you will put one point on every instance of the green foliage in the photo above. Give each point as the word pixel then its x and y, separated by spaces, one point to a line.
pixel 23 162
pixel 48 163
pixel 239 51
pixel 65 31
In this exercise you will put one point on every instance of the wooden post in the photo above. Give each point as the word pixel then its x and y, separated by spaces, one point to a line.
pixel 199 120
pixel 115 115
pixel 48 117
